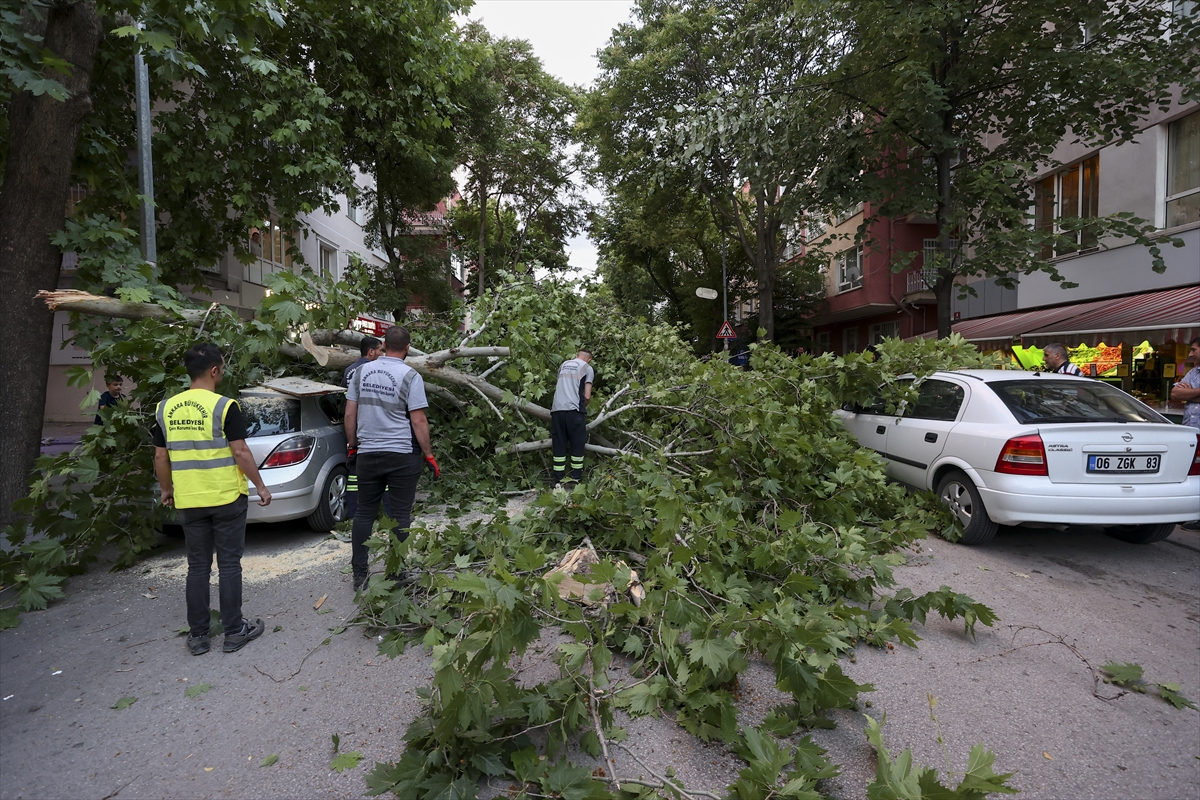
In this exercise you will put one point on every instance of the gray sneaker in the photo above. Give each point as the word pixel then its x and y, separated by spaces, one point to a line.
pixel 248 633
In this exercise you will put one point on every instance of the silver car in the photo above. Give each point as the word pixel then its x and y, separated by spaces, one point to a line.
pixel 300 447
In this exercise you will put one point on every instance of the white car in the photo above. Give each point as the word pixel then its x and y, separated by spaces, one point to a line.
pixel 1011 448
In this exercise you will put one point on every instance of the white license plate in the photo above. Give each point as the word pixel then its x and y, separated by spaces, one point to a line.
pixel 1124 464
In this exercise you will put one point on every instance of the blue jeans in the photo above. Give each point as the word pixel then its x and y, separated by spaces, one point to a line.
pixel 221 529
pixel 397 473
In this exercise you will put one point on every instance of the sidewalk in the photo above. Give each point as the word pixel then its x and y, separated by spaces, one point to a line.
pixel 61 437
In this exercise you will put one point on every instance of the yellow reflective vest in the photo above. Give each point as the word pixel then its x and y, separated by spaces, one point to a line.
pixel 203 471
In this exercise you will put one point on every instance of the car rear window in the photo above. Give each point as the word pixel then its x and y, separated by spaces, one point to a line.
pixel 268 416
pixel 1035 401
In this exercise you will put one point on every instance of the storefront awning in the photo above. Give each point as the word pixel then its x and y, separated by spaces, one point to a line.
pixel 1157 317
pixel 1170 315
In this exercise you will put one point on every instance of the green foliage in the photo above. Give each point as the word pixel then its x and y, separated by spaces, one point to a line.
pixel 900 779
pixel 517 147
pixel 124 703
pixel 270 760
pixel 773 540
pixel 345 761
pixel 1130 676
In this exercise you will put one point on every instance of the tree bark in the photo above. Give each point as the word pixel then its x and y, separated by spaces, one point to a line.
pixel 43 133
pixel 481 258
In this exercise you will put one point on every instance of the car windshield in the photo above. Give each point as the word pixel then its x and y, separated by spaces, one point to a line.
pixel 267 416
pixel 1050 401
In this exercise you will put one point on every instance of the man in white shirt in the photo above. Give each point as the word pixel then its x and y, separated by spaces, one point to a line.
pixel 1059 360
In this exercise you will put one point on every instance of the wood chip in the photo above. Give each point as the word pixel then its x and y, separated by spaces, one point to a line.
pixel 317 604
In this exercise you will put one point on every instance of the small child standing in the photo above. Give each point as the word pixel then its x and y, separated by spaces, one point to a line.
pixel 113 394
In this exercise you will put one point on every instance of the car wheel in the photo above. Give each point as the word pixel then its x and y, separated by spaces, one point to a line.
pixel 332 506
pixel 1141 534
pixel 957 491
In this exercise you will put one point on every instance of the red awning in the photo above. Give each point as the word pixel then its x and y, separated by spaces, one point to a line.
pixel 1163 316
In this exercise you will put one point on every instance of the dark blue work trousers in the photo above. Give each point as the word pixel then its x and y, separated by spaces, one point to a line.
pixel 219 529
pixel 397 473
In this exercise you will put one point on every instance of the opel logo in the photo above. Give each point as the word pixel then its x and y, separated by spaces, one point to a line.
pixel 1128 437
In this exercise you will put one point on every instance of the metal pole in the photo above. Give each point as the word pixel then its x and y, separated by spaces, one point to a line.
pixel 145 163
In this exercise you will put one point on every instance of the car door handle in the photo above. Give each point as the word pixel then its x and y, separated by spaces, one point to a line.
pixel 881 429
pixel 931 437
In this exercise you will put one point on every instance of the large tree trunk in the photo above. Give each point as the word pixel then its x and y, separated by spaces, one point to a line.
pixel 481 259
pixel 945 282
pixel 43 133
pixel 765 268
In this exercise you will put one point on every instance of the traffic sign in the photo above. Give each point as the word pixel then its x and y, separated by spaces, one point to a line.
pixel 726 331
pixel 706 294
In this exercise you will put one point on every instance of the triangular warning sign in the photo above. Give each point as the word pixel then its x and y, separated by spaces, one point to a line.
pixel 726 331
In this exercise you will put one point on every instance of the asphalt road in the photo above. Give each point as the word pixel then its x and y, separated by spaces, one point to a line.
pixel 114 636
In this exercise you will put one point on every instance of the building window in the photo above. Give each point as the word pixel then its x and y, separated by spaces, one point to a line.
pixel 849 341
pixel 884 330
pixel 845 214
pixel 270 252
pixel 327 261
pixel 1072 193
pixel 822 343
pixel 849 269
pixel 354 211
pixel 1183 171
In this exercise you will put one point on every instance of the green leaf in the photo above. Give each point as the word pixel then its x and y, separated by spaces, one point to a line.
pixel 197 690
pixel 345 761
pixel 713 653
pixel 124 703
pixel 1170 693
pixel 269 760
pixel 337 740
pixel 1123 674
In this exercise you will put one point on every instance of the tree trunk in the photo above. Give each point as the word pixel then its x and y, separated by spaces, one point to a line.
pixel 43 133
pixel 481 259
pixel 945 282
pixel 765 268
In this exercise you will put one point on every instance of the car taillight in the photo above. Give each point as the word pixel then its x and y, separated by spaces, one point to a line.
pixel 1195 470
pixel 290 451
pixel 1023 455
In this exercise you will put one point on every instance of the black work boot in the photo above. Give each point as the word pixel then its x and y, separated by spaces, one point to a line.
pixel 360 582
pixel 248 633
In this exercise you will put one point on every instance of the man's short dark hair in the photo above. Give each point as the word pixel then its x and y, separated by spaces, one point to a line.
pixel 586 349
pixel 396 338
pixel 201 358
pixel 368 344
pixel 112 377
pixel 1195 341
pixel 1058 350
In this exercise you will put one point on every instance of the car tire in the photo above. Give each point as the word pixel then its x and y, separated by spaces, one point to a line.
pixel 957 491
pixel 332 505
pixel 1142 534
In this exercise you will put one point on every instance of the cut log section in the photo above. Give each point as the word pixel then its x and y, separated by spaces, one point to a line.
pixel 579 562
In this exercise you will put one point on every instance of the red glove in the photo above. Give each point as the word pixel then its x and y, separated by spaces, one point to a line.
pixel 432 462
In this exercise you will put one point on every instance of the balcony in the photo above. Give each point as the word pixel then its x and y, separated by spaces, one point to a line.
pixel 921 280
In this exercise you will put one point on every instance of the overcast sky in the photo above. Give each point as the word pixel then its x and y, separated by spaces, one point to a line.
pixel 565 34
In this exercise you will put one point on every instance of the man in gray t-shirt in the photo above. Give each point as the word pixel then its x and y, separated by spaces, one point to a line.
pixel 387 435
pixel 568 414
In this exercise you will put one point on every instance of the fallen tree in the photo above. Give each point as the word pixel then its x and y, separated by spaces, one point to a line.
pixel 759 530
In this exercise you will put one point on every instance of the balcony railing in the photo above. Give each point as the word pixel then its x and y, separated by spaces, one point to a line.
pixel 921 280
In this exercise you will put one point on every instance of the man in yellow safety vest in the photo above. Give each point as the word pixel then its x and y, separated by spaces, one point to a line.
pixel 201 461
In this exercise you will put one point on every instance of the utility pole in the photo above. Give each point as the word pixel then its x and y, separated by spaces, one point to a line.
pixel 145 162
pixel 724 288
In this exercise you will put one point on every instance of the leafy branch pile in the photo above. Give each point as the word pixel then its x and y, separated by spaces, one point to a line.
pixel 760 531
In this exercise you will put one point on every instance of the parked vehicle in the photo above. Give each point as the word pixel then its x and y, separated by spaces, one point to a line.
pixel 1013 448
pixel 300 448
pixel 297 440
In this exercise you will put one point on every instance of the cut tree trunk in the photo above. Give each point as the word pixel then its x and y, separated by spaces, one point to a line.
pixel 42 137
